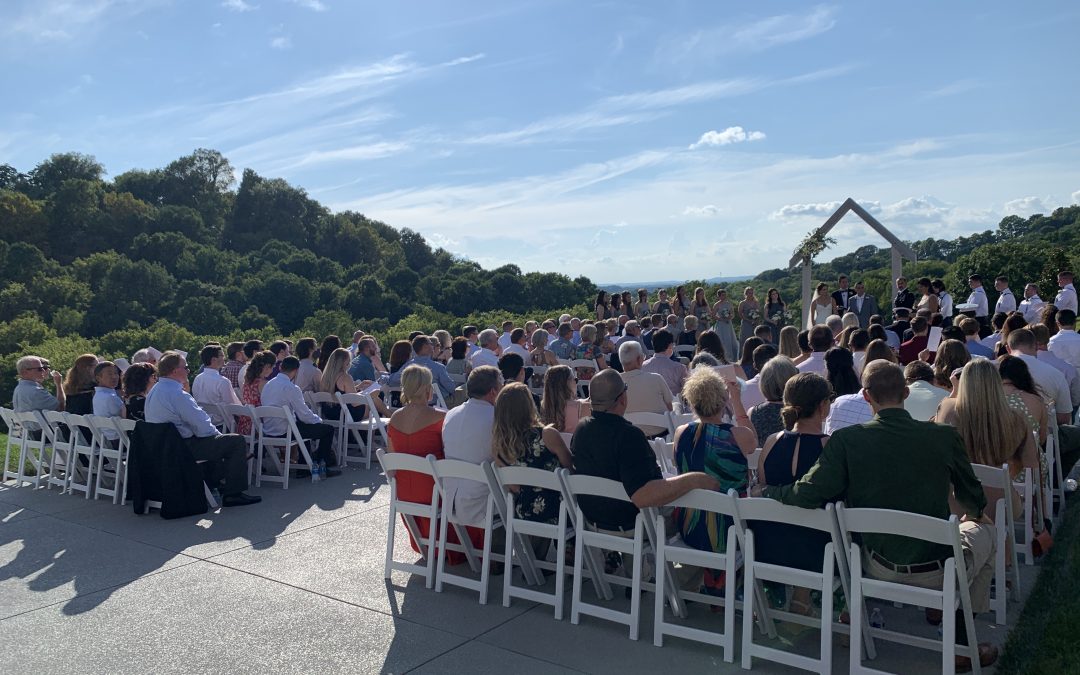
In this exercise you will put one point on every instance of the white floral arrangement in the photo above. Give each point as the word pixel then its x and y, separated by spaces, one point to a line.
pixel 725 314
pixel 753 315
pixel 777 317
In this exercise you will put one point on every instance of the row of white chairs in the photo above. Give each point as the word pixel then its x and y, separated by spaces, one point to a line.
pixel 841 563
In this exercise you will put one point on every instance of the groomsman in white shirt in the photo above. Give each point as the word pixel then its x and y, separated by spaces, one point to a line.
pixel 1032 304
pixel 1066 342
pixel 1066 298
pixel 978 298
pixel 1006 301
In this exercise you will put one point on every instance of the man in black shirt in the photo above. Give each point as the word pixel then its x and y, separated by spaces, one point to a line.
pixel 904 298
pixel 608 446
pixel 901 324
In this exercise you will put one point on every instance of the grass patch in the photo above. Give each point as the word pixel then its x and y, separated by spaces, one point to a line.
pixel 1045 638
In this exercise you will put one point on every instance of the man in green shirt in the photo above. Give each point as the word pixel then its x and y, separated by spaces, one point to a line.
pixel 895 462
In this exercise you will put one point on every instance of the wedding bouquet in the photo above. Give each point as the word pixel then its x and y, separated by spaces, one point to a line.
pixel 725 314
pixel 777 317
pixel 753 315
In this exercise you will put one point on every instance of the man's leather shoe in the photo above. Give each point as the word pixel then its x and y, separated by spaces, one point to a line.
pixel 240 499
pixel 988 653
pixel 933 616
pixel 330 472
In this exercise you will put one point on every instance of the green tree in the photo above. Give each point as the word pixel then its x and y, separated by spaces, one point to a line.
pixel 23 219
pixel 47 177
pixel 207 316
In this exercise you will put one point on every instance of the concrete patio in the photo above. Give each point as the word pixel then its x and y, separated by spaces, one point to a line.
pixel 295 585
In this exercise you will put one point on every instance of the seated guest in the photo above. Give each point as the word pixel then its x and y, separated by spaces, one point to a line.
pixel 711 446
pixel 878 350
pixel 751 391
pixel 518 341
pixel 471 333
pixel 251 348
pixel 820 340
pixel 400 353
pixel 488 354
pixel 840 372
pixel 704 359
pixel 951 355
pixel 139 378
pixel 210 386
pixel 646 392
pixel 900 324
pixel 519 439
pixel 1052 385
pixel 362 367
pixel 146 355
pixel 442 349
pixel 512 368
pixel 849 410
pixel 764 333
pixel 970 328
pixel 1012 322
pixel 689 334
pixel 257 374
pixel 541 355
pixel 307 378
pixel 910 350
pixel 789 342
pixel 280 349
pixel 661 363
pixel 335 379
pixel 282 391
pixel 422 356
pixel 1066 344
pixel 329 344
pixel 710 342
pixel 785 458
pixel 458 364
pixel 168 402
pixel 235 361
pixel 835 325
pixel 466 435
pixel 632 332
pixel 897 463
pixel 590 347
pixel 746 363
pixel 107 402
pixel 860 340
pixel 1023 396
pixel 997 322
pixel 507 330
pixel 765 417
pixel 560 406
pixel 1072 376
pixel 29 394
pixel 79 385
pixel 563 347
pixel 803 340
pixel 924 394
pixel 607 446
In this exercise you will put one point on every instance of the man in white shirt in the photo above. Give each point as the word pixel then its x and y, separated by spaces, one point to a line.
pixel 466 435
pixel 517 344
pixel 673 372
pixel 978 298
pixel 847 411
pixel 505 338
pixel 470 334
pixel 752 393
pixel 1066 343
pixel 821 341
pixel 210 386
pixel 1006 301
pixel 1066 298
pixel 632 333
pixel 488 353
pixel 1032 304
pixel 356 337
pixel 282 391
pixel 645 392
pixel 1072 375
pixel 923 395
pixel 309 375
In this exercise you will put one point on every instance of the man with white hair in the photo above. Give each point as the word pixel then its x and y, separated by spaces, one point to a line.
pixel 147 355
pixel 835 324
pixel 29 394
pixel 564 318
pixel 632 333
pixel 488 354
pixel 645 392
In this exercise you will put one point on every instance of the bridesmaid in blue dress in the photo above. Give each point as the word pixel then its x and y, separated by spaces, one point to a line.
pixel 723 312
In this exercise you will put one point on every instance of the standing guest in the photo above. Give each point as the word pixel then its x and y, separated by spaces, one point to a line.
pixel 560 406
pixel 841 295
pixel 822 306
pixel 1031 304
pixel 519 439
pixel 466 435
pixel 251 348
pixel 1066 297
pixel 329 344
pixel 507 331
pixel 1066 343
pixel 699 308
pixel 236 360
pixel 488 355
pixel 820 341
pixel 641 308
pixel 139 378
pixel 602 306
pixel 765 416
pixel 862 305
pixel 711 446
pixel 929 300
pixel 924 394
pixel 786 457
pixel 79 385
pixel 1006 301
pixel 458 364
pixel 662 363
pixel 904 298
pixel 723 312
pixel 518 342
pixel 259 369
pixel 979 299
pixel 29 394
pixel 227 453
pixel 146 355
pixel 951 356
pixel 616 306
pixel 774 313
pixel 627 303
pixel 563 347
pixel 689 335
pixel 662 306
pixel 746 361
pixel 646 392
pixel 946 306
pixel 910 350
pixel 541 354
pixel 789 342
pixel 840 372
pixel 681 304
pixel 282 391
pixel 749 314
pixel 970 328
pixel 210 386
pixel 709 343
pixel 307 378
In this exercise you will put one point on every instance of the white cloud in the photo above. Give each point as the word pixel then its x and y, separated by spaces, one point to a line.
pixel 281 42
pixel 701 211
pixel 710 44
pixel 64 20
pixel 314 5
pixel 953 88
pixel 1026 206
pixel 238 5
pixel 727 137
pixel 1076 197
pixel 816 209
pixel 353 153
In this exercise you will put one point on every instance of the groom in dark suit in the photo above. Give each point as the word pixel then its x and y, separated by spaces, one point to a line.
pixel 841 297
pixel 864 306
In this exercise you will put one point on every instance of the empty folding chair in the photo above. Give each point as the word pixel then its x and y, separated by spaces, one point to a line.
pixel 61 448
pixel 361 431
pixel 125 428
pixel 13 448
pixel 954 593
pixel 392 462
pixel 283 444
pixel 443 470
pixel 83 457
pixel 997 478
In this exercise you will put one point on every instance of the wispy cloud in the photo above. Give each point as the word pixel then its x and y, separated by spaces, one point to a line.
pixel 954 88
pixel 62 20
pixel 701 211
pixel 373 150
pixel 728 136
pixel 281 42
pixel 238 5
pixel 313 5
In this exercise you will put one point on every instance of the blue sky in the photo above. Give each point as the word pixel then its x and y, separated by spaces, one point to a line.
pixel 627 141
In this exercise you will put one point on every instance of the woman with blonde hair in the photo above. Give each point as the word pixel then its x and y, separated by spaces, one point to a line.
pixel 951 355
pixel 850 320
pixel 689 335
pixel 79 385
pixel 336 379
pixel 699 308
pixel 789 342
pixel 560 406
pixel 442 350
pixel 540 355
pixel 519 439
pixel 879 350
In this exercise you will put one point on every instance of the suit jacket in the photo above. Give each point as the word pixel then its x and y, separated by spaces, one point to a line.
pixel 162 468
pixel 840 298
pixel 869 308
pixel 904 298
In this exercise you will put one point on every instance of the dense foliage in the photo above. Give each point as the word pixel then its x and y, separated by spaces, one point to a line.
pixel 175 256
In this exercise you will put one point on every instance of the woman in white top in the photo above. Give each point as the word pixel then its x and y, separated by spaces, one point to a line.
pixel 822 306
pixel 107 402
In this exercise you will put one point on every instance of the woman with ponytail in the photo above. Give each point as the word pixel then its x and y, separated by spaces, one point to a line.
pixel 784 459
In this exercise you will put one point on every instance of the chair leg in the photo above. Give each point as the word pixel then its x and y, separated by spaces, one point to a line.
pixel 660 584
pixel 749 600
pixel 390 531
pixel 508 553
pixel 579 554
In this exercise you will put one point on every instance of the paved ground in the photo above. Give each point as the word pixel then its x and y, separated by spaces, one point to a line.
pixel 295 585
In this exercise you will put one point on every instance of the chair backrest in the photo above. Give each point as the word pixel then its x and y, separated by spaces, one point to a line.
pixel 709 500
pixel 900 523
pixel 98 424
pixel 529 476
pixel 761 508
pixel 993 476
pixel 582 363
pixel 458 378
pixel 649 419
pixel 6 415
pixel 359 398
pixel 124 426
pixel 664 455
pixel 401 461
pixel 594 486
pixel 82 434
pixel 456 468
pixel 272 412
pixel 33 421
pixel 57 421
pixel 234 410
pixel 685 350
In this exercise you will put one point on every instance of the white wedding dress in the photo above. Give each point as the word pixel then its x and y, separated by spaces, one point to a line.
pixel 821 313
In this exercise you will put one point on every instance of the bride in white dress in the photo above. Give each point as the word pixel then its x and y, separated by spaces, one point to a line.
pixel 822 305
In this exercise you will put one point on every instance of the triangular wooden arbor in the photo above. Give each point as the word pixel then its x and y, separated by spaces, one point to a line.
pixel 900 252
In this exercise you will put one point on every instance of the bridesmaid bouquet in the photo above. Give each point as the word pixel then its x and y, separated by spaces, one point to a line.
pixel 725 314
pixel 753 314
pixel 777 317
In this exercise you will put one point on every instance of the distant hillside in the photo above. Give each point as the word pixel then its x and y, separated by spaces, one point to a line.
pixel 668 283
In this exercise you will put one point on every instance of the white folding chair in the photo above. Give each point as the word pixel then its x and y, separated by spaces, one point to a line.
pixel 685 351
pixel 1005 526
pixel 393 462
pixel 216 412
pixel 444 469
pixel 315 399
pixel 392 397
pixel 679 419
pixel 1054 488
pixel 833 574
pixel 234 411
pixel 284 443
pixel 361 431
pixel 125 428
pixel 61 449
pixel 925 528
pixel 108 445
pixel 536 382
pixel 36 440
pixel 518 531
pixel 14 447
pixel 651 420
pixel 83 447
pixel 671 549
pixel 1029 495
pixel 665 456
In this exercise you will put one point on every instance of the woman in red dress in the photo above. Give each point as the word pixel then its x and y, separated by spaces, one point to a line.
pixel 258 370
